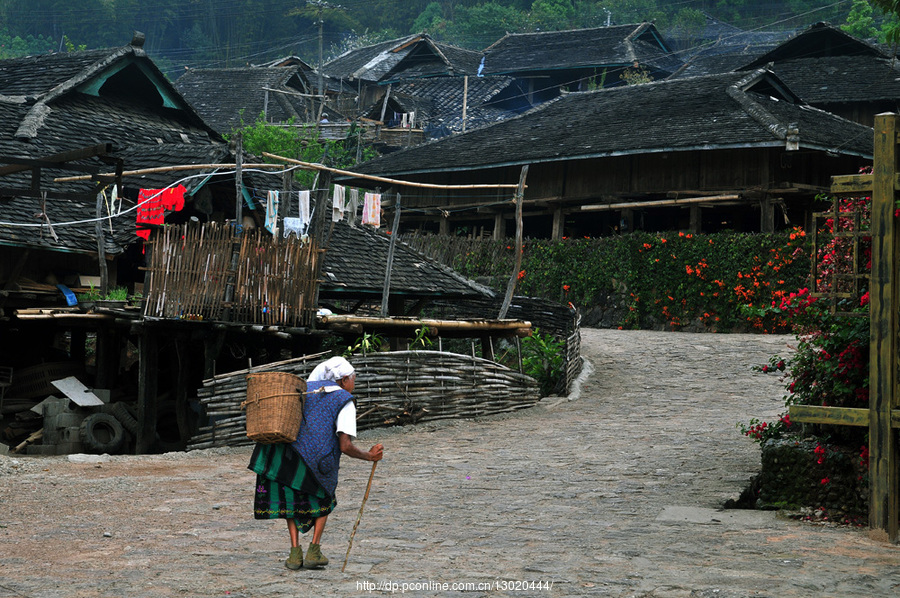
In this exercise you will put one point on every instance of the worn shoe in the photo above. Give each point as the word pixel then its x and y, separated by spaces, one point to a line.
pixel 314 557
pixel 295 561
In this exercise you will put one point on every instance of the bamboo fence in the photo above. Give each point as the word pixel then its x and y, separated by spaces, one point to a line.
pixel 190 266
pixel 394 388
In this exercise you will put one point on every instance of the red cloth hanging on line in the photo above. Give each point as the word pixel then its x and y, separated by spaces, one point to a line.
pixel 152 206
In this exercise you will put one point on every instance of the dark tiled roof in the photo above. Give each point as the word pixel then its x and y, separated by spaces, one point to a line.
pixel 620 45
pixel 245 99
pixel 678 115
pixel 835 79
pixel 37 75
pixel 445 95
pixel 410 57
pixel 819 41
pixel 355 261
pixel 710 64
pixel 60 117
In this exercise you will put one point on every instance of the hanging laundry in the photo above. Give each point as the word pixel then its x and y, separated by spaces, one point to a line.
pixel 337 203
pixel 353 206
pixel 272 212
pixel 293 226
pixel 412 120
pixel 152 206
pixel 114 206
pixel 372 209
pixel 303 198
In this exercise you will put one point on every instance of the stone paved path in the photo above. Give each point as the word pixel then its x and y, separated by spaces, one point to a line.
pixel 615 492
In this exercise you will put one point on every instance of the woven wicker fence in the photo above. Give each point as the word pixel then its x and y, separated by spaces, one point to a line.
pixel 189 272
pixel 391 389
pixel 549 317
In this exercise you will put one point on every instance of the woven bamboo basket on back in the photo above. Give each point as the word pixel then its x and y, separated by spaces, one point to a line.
pixel 274 406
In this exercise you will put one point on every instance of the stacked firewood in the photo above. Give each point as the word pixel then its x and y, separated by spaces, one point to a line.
pixel 394 388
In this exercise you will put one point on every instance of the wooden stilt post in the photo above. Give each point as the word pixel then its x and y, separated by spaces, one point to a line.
pixel 147 387
pixel 181 362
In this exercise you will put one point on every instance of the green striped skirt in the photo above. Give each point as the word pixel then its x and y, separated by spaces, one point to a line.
pixel 285 489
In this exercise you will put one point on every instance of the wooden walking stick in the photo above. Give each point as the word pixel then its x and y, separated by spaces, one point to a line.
pixel 358 517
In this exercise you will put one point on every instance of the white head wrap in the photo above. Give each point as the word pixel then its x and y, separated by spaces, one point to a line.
pixel 334 368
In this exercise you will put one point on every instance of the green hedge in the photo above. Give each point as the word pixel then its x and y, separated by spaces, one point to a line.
pixel 723 281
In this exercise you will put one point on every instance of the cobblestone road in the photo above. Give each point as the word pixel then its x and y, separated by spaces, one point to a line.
pixel 614 492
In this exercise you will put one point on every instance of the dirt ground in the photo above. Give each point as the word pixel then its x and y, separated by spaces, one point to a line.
pixel 615 491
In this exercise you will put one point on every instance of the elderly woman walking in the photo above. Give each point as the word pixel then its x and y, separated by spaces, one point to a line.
pixel 297 481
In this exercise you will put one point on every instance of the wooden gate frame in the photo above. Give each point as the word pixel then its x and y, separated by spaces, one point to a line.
pixel 883 415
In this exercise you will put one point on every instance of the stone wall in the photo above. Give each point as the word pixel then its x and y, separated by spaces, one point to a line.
pixel 795 476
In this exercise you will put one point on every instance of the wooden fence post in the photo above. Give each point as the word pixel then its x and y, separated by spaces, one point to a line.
pixel 884 300
pixel 882 417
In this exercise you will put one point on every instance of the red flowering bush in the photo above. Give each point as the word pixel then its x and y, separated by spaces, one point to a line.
pixel 830 367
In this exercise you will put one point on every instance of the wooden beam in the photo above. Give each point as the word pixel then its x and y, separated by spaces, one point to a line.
pixel 884 459
pixel 661 202
pixel 857 183
pixel 56 159
pixel 837 416
pixel 38 194
pixel 852 183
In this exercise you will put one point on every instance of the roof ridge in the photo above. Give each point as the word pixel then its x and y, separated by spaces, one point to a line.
pixel 737 91
pixel 35 117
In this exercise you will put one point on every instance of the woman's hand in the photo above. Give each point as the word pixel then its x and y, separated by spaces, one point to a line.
pixel 376 453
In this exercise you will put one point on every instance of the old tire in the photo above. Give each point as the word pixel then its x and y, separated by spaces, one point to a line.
pixel 102 433
pixel 123 414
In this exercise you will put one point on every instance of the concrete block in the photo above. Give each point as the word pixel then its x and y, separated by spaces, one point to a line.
pixel 67 420
pixel 69 435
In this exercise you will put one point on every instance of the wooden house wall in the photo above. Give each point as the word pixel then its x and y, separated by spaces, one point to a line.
pixel 860 112
pixel 567 184
pixel 645 175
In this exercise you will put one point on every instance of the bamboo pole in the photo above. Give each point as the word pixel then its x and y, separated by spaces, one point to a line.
pixel 660 203
pixel 386 289
pixel 358 517
pixel 511 286
pixel 162 169
pixel 370 177
pixel 501 324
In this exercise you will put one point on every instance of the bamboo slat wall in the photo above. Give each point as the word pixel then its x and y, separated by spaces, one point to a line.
pixel 391 389
pixel 189 271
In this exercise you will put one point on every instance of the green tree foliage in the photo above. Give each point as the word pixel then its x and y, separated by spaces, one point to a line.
pixel 301 142
pixel 11 47
pixel 859 19
pixel 482 25
pixel 225 33
pixel 552 15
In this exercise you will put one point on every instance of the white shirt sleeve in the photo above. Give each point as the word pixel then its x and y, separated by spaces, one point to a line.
pixel 346 419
